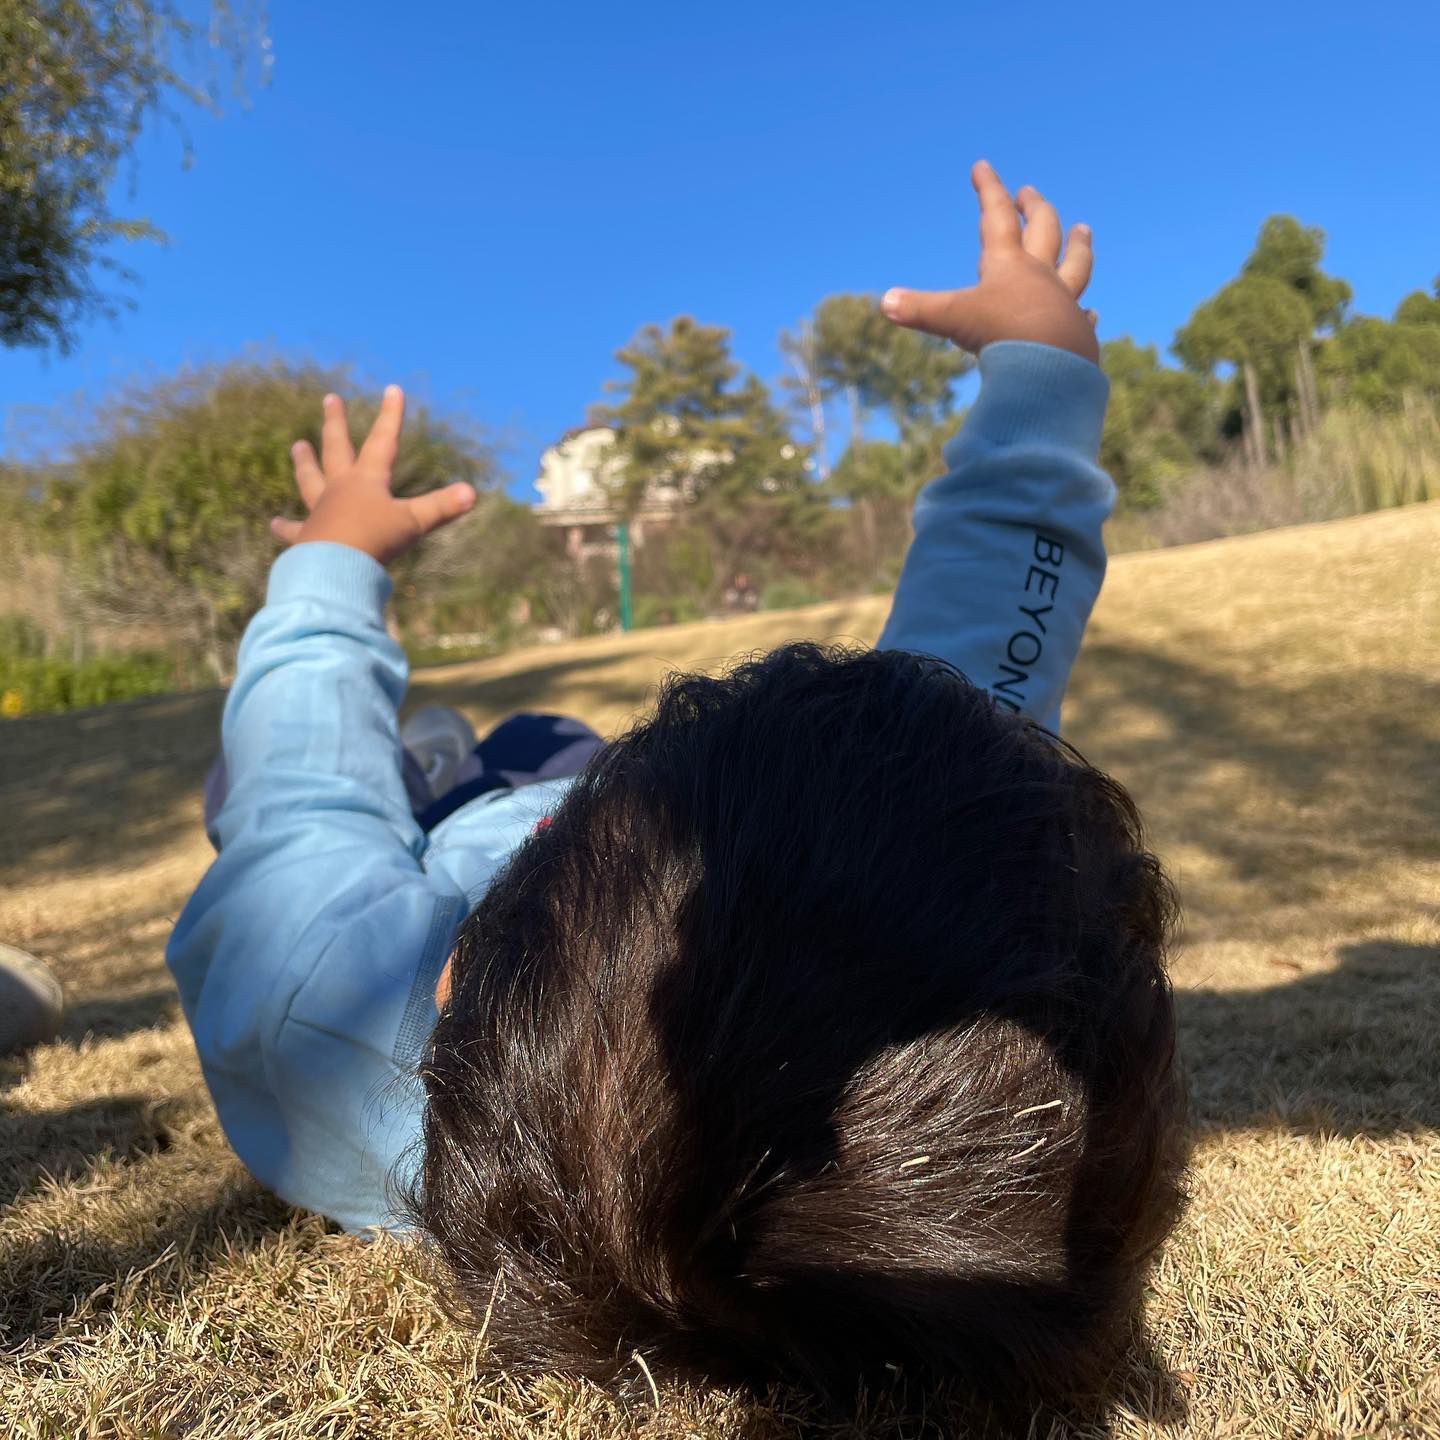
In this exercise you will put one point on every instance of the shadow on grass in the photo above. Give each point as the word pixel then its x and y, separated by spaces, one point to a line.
pixel 588 695
pixel 1348 1051
pixel 104 787
pixel 52 1274
pixel 112 785
pixel 1345 1051
pixel 113 971
pixel 86 788
pixel 108 1017
pixel 65 1143
pixel 1349 763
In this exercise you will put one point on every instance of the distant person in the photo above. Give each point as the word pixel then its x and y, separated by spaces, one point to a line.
pixel 818 1028
pixel 741 594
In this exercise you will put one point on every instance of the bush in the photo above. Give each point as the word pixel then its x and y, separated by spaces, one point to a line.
pixel 788 595
pixel 31 684
pixel 21 636
pixel 665 610
pixel 1354 462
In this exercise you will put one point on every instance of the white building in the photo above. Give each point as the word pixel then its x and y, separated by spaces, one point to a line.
pixel 578 482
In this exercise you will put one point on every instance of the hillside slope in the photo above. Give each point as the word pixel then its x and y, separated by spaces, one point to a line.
pixel 1273 702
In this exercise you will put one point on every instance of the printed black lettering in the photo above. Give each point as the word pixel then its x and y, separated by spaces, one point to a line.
pixel 1029 659
pixel 1035 615
pixel 1048 551
pixel 1044 575
pixel 1013 680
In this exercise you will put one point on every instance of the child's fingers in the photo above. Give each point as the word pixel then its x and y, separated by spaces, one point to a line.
pixel 999 220
pixel 286 530
pixel 439 507
pixel 383 441
pixel 336 451
pixel 1079 260
pixel 1042 225
pixel 309 480
pixel 937 312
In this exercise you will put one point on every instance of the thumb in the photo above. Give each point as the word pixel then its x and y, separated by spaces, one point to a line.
pixel 439 507
pixel 948 313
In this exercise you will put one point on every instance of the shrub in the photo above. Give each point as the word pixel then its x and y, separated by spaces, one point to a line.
pixel 32 684
pixel 665 610
pixel 21 636
pixel 788 595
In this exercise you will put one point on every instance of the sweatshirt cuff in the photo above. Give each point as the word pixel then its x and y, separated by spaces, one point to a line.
pixel 330 573
pixel 1034 394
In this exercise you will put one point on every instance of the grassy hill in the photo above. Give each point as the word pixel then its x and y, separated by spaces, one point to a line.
pixel 1274 704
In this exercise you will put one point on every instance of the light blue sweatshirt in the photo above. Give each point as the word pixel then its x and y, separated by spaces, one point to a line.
pixel 307 958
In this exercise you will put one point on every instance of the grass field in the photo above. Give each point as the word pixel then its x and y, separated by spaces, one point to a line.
pixel 1273 702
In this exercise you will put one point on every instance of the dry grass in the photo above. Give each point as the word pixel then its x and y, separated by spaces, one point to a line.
pixel 1353 462
pixel 1272 700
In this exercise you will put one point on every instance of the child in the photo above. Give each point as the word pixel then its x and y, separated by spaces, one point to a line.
pixel 818 1029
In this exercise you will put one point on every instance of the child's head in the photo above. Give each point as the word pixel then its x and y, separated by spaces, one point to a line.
pixel 824 1029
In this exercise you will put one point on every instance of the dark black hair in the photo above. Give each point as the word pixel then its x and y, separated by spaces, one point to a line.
pixel 823 1032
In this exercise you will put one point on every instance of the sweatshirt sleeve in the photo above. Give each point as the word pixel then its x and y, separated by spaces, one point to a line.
pixel 304 959
pixel 1008 558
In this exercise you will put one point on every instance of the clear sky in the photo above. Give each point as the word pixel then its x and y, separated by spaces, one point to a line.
pixel 484 200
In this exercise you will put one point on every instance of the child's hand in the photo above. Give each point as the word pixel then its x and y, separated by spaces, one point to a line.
pixel 348 496
pixel 1026 291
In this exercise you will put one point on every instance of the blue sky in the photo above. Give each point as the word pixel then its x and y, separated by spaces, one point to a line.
pixel 483 201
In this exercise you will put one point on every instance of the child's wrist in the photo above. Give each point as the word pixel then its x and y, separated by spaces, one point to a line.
pixel 1035 393
pixel 330 571
pixel 331 536
pixel 1073 334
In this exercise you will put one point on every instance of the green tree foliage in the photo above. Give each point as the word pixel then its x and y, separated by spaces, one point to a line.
pixel 1257 319
pixel 1418 308
pixel 1264 323
pixel 678 409
pixel 855 356
pixel 166 506
pixel 1160 423
pixel 78 80
pixel 880 479
pixel 849 355
pixel 1291 252
pixel 488 572
pixel 1378 364
pixel 872 470
pixel 676 572
pixel 687 420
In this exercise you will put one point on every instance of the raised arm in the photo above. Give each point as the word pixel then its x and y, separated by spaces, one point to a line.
pixel 1007 558
pixel 317 915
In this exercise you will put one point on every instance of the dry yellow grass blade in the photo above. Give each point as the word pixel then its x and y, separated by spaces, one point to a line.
pixel 1273 701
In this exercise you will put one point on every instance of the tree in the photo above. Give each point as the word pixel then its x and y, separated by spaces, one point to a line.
pixel 850 352
pixel 1257 324
pixel 165 508
pixel 472 574
pixel 78 80
pixel 672 425
pixel 1160 422
pixel 805 391
pixel 688 420
pixel 1290 252
pixel 1418 308
pixel 1378 363
pixel 1264 323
